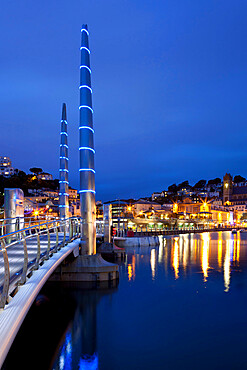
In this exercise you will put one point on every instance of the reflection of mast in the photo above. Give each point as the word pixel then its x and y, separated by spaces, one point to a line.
pixel 79 348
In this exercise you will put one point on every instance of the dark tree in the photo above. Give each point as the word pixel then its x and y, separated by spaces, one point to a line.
pixel 184 184
pixel 173 188
pixel 238 179
pixel 35 170
pixel 214 181
pixel 200 184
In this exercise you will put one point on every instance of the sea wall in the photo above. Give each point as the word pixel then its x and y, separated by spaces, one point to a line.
pixel 144 241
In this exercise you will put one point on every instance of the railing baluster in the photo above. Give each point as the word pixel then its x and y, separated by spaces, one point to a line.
pixel 48 243
pixel 25 260
pixel 70 229
pixel 36 266
pixel 5 292
pixel 64 233
pixel 57 239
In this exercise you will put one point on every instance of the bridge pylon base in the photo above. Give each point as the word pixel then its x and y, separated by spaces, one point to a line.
pixel 86 268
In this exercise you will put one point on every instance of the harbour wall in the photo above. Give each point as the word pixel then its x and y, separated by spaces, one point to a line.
pixel 144 241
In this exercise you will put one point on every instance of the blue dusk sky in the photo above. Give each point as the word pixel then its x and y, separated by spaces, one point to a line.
pixel 169 89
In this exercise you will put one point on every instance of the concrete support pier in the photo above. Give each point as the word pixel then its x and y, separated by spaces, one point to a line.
pixel 87 268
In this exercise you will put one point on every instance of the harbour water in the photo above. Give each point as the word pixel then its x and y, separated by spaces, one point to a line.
pixel 182 305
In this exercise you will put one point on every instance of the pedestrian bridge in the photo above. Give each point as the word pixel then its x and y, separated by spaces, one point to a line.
pixel 28 257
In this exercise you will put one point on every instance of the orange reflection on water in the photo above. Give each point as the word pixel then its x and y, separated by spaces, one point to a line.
pixel 185 251
pixel 238 249
pixel 130 272
pixel 220 252
pixel 132 268
pixel 195 249
pixel 205 252
pixel 175 258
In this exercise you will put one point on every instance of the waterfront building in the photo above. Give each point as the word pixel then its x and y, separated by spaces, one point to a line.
pixel 156 195
pixel 72 193
pixel 234 194
pixel 143 205
pixel 118 207
pixel 6 169
pixel 204 211
pixel 44 176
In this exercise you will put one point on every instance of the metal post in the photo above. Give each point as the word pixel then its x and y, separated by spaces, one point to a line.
pixel 48 243
pixel 36 266
pixel 5 292
pixel 25 260
pixel 63 171
pixel 86 149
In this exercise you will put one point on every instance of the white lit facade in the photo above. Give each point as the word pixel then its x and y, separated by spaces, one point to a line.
pixel 5 167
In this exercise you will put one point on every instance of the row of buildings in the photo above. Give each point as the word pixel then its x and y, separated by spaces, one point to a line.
pixel 7 170
pixel 216 203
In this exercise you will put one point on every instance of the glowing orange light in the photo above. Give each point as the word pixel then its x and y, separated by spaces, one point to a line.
pixel 129 272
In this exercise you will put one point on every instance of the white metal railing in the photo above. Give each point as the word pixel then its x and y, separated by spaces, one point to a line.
pixel 20 222
pixel 23 251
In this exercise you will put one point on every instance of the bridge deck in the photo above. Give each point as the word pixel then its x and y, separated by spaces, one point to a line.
pixel 14 313
pixel 16 256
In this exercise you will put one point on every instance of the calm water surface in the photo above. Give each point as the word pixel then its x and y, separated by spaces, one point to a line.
pixel 182 305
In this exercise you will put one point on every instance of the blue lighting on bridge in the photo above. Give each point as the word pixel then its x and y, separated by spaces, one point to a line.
pixel 84 30
pixel 87 127
pixel 87 148
pixel 87 191
pixel 66 194
pixel 85 106
pixel 64 170
pixel 63 133
pixel 89 362
pixel 87 87
pixel 66 146
pixel 86 68
pixel 63 182
pixel 87 169
pixel 63 120
pixel 64 158
pixel 63 206
pixel 84 47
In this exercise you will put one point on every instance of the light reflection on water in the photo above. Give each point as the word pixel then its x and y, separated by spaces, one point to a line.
pixel 212 251
pixel 176 258
pixel 181 305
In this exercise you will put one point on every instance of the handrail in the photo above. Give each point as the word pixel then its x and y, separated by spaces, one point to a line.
pixel 69 229
pixel 34 226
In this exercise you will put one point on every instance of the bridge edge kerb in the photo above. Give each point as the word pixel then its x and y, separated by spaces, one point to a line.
pixel 15 312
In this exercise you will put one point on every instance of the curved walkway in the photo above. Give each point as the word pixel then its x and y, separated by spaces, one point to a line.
pixel 15 312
